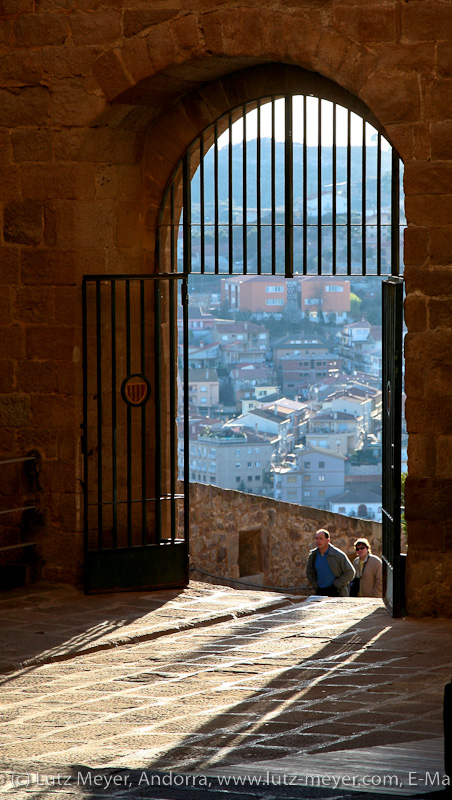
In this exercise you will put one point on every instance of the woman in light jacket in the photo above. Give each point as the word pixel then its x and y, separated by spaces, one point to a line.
pixel 368 569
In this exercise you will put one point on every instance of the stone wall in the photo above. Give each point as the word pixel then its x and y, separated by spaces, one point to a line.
pixel 98 101
pixel 256 539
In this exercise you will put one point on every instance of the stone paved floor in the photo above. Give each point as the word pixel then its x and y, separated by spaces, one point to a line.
pixel 197 681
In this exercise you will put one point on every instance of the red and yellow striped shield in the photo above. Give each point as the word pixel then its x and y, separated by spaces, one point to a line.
pixel 135 390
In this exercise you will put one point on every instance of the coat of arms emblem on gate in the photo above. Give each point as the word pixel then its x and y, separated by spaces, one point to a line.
pixel 135 390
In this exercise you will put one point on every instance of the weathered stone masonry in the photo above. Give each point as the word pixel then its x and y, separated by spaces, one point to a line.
pixel 99 99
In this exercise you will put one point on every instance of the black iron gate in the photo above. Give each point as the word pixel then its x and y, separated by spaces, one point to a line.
pixel 135 509
pixel 393 562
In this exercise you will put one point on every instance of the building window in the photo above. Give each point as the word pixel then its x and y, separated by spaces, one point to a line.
pixel 291 479
pixel 257 449
pixel 250 478
pixel 203 389
pixel 238 466
pixel 274 289
pixel 321 477
pixel 334 288
pixel 307 465
pixel 257 463
pixel 237 452
pixel 307 493
pixel 257 477
pixel 321 465
pixel 291 494
pixel 341 510
pixel 274 301
pixel 321 492
pixel 249 464
pixel 307 478
pixel 237 480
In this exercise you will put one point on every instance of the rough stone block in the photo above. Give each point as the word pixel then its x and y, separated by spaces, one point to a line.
pixel 431 281
pixel 6 376
pixel 428 416
pixel 428 499
pixel 102 26
pixel 85 224
pixel 40 30
pixel 440 312
pixel 434 210
pixel 441 248
pixel 14 411
pixel 429 583
pixel 32 145
pixel 432 177
pixel 437 98
pixel 425 21
pixel 49 267
pixel 444 59
pixel 12 341
pixel 36 376
pixel 162 47
pixel 441 137
pixel 9 266
pixel 23 222
pixel 62 181
pixel 50 342
pixel 415 375
pixel 416 241
pixel 421 456
pixel 444 457
pixel 111 74
pixel 365 23
pixel 393 99
pixel 138 20
pixel 35 305
pixel 416 317
pixel 75 102
pixel 54 412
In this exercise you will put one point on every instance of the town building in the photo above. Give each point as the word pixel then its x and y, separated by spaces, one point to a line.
pixel 310 480
pixel 231 459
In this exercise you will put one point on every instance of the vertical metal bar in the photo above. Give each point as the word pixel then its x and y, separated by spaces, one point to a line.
pixel 186 415
pixel 305 189
pixel 186 200
pixel 173 255
pixel 334 181
pixel 273 188
pixel 395 214
pixel 202 204
pixel 129 422
pixel 113 414
pixel 379 204
pixel 85 420
pixel 216 216
pixel 288 186
pixel 230 199
pixel 173 287
pixel 99 413
pixel 364 204
pixel 319 188
pixel 258 190
pixel 143 418
pixel 158 412
pixel 349 195
pixel 244 200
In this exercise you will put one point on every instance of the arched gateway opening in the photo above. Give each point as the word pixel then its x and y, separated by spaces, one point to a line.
pixel 291 186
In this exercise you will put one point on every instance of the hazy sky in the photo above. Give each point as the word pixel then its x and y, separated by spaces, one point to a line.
pixel 312 125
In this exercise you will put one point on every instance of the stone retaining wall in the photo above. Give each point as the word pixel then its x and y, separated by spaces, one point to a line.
pixel 238 535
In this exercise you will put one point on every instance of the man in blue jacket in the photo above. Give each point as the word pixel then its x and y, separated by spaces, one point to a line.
pixel 329 571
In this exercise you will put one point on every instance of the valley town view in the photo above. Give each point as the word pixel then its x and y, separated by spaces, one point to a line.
pixel 285 389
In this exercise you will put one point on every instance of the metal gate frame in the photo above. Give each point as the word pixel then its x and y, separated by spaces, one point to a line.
pixel 393 560
pixel 122 551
